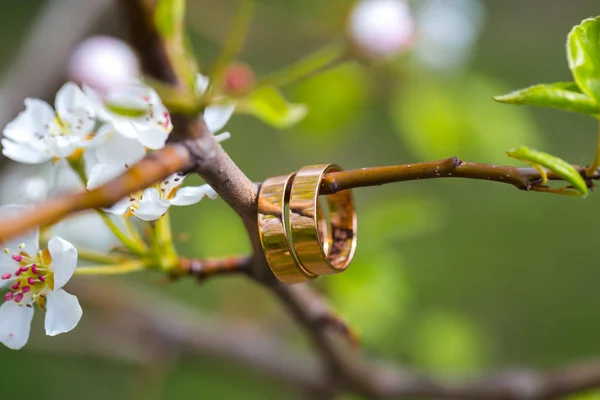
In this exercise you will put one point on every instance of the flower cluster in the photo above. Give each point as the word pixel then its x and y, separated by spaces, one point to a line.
pixel 97 134
pixel 109 131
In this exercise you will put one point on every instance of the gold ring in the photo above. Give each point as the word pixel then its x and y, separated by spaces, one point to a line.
pixel 272 227
pixel 306 227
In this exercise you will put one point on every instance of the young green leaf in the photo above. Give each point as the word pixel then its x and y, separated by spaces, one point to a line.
pixel 555 164
pixel 562 95
pixel 269 105
pixel 583 53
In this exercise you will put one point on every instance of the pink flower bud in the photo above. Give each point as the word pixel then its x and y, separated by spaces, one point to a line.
pixel 103 62
pixel 238 79
pixel 382 28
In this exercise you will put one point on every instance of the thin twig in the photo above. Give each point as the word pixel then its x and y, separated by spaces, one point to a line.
pixel 327 57
pixel 521 178
pixel 125 267
pixel 203 269
pixel 153 168
pixel 235 39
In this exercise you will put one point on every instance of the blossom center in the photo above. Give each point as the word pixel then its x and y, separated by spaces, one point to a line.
pixel 31 279
pixel 58 127
pixel 166 190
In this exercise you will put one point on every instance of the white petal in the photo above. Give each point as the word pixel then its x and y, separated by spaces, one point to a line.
pixel 62 146
pixel 97 104
pixel 15 324
pixel 7 266
pixel 64 260
pixel 192 194
pixel 41 113
pixel 120 207
pixel 21 129
pixel 151 207
pixel 102 135
pixel 169 185
pixel 63 312
pixel 125 127
pixel 7 269
pixel 222 136
pixel 24 153
pixel 135 101
pixel 119 150
pixel 70 98
pixel 217 115
pixel 162 118
pixel 102 173
pixel 201 84
pixel 153 138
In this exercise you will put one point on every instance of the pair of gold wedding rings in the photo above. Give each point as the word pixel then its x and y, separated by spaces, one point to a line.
pixel 299 239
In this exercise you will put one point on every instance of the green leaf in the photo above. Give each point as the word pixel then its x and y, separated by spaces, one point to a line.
pixel 583 53
pixel 168 17
pixel 269 105
pixel 562 95
pixel 553 163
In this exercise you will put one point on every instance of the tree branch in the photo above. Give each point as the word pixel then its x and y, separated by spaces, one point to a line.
pixel 453 167
pixel 351 372
pixel 139 313
pixel 153 168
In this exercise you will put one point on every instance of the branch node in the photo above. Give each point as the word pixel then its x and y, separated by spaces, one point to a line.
pixel 457 162
pixel 334 322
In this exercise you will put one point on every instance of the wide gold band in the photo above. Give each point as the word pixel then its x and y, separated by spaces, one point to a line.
pixel 307 236
pixel 272 224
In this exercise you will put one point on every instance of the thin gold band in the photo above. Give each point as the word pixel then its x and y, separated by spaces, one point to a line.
pixel 307 235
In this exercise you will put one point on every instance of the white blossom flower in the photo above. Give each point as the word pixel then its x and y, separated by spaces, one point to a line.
pixel 149 122
pixel 382 28
pixel 40 134
pixel 36 277
pixel 218 113
pixel 153 202
pixel 104 63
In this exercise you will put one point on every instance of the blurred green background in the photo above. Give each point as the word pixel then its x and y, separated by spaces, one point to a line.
pixel 451 276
